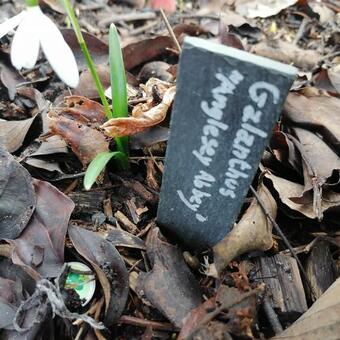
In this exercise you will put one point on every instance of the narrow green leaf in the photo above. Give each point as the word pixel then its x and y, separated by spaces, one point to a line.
pixel 117 74
pixel 98 164
pixel 118 83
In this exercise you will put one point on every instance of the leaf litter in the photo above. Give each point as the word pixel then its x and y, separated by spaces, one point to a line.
pixel 203 295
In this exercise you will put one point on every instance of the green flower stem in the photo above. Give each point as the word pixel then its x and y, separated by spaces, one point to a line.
pixel 32 3
pixel 69 9
pixel 120 143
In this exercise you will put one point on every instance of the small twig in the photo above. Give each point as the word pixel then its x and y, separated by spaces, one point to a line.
pixel 100 305
pixel 272 317
pixel 134 16
pixel 80 332
pixel 91 7
pixel 330 55
pixel 71 187
pixel 144 28
pixel 284 238
pixel 140 158
pixel 144 231
pixel 154 161
pixel 200 16
pixel 162 326
pixel 135 265
pixel 301 31
pixel 170 30
pixel 128 225
pixel 61 177
pixel 91 311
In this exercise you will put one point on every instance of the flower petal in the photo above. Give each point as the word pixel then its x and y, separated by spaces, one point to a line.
pixel 25 45
pixel 58 53
pixel 11 23
pixel 108 93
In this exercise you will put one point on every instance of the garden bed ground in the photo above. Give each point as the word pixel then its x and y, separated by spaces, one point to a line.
pixel 148 286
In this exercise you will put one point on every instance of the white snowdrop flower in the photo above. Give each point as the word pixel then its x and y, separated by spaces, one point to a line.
pixel 35 29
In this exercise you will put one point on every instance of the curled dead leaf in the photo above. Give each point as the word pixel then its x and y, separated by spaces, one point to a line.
pixel 288 190
pixel 319 162
pixel 85 142
pixel 253 232
pixel 13 132
pixel 109 267
pixel 76 121
pixel 143 115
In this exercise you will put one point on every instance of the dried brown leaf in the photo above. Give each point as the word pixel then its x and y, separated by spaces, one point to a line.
pixel 13 132
pixel 109 267
pixel 77 123
pixel 319 163
pixel 253 232
pixel 262 8
pixel 287 53
pixel 288 190
pixel 10 77
pixel 316 113
pixel 146 50
pixel 41 245
pixel 142 118
pixel 241 316
pixel 155 69
pixel 321 321
pixel 82 109
pixel 17 196
pixel 54 5
pixel 149 137
pixel 325 13
pixel 169 286
pixel 50 146
pixel 98 49
pixel 121 238
pixel 150 49
pixel 323 82
pixel 334 76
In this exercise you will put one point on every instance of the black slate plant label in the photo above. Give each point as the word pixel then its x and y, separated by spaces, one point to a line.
pixel 226 104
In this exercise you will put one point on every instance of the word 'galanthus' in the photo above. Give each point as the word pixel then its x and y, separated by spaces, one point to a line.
pixel 35 29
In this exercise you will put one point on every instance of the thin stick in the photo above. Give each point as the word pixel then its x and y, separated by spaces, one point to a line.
pixel 162 326
pixel 97 332
pixel 330 55
pixel 170 30
pixel 80 332
pixel 302 30
pixel 285 240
